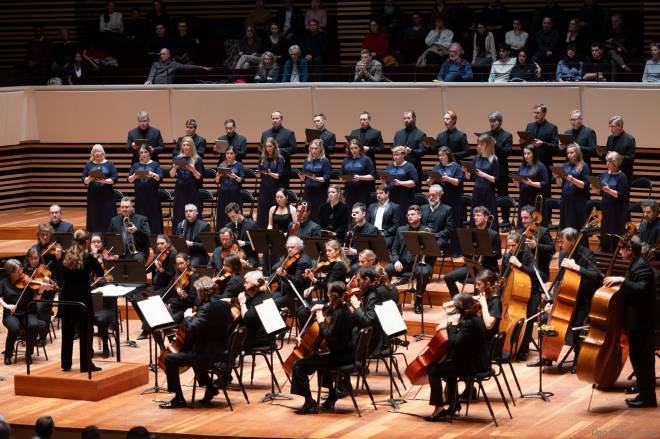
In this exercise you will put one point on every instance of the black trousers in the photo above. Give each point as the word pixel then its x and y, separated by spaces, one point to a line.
pixel 174 361
pixel 454 276
pixel 642 357
pixel 303 368
pixel 70 321
pixel 14 323
pixel 579 317
pixel 503 191
pixel 422 276
pixel 437 372
pixel 532 308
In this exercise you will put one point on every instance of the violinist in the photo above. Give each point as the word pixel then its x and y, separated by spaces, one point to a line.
pixel 78 267
pixel 336 324
pixel 366 258
pixel 304 227
pixel 240 225
pixel 16 315
pixel 386 291
pixel 468 354
pixel 209 328
pixel 639 293
pixel 363 305
pixel 228 246
pixel 649 229
pixel 134 230
pixel 584 263
pixel 50 251
pixel 44 275
pixel 107 314
pixel 255 293
pixel 230 282
pixel 291 269
pixel 181 294
pixel 490 301
pixel 229 184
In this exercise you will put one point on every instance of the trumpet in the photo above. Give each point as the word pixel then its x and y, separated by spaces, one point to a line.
pixel 131 243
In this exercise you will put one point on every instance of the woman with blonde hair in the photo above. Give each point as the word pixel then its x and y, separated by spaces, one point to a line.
pixel 574 189
pixel 99 175
pixel 403 181
pixel 485 176
pixel 315 176
pixel 334 213
pixel 615 201
pixel 189 172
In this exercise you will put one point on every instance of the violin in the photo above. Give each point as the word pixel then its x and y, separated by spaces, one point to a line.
pixel 221 280
pixel 161 258
pixel 322 267
pixel 288 262
pixel 43 275
pixel 53 249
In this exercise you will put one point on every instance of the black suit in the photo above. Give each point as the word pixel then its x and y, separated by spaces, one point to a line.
pixel 140 236
pixel 286 141
pixel 372 138
pixel 155 139
pixel 586 138
pixel 308 228
pixel 441 223
pixel 649 233
pixel 190 232
pixel 391 220
pixel 238 143
pixel 546 132
pixel 296 21
pixel 240 231
pixel 286 297
pixel 62 227
pixel 200 146
pixel 456 141
pixel 400 253
pixel 625 145
pixel 639 295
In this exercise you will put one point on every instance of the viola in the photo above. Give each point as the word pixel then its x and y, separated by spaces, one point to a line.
pixel 221 281
pixel 150 258
pixel 288 262
pixel 296 226
pixel 322 267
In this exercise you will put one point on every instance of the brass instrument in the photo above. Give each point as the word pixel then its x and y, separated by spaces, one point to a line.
pixel 131 242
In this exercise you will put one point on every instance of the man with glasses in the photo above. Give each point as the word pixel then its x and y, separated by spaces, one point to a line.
pixel 56 222
pixel 583 135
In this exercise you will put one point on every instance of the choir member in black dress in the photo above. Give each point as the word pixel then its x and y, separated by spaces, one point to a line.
pixel 181 294
pixel 453 138
pixel 384 214
pixel 413 139
pixel 336 325
pixel 545 135
pixel 240 225
pixel 503 149
pixel 574 189
pixel 234 140
pixel 315 177
pixel 189 229
pixel 334 214
pixel 304 226
pixel 16 314
pixel 134 231
pixel 481 216
pixel 363 172
pixel 145 176
pixel 358 227
pixel 56 222
pixel 649 229
pixel 638 290
pixel 451 180
pixel 622 143
pixel 270 169
pixel 282 213
pixel 370 138
pixel 439 218
pixel 486 176
pixel 404 180
pixel 291 268
pixel 286 142
pixel 255 294
pixel 100 197
pixel 467 355
pixel 79 265
pixel 615 201
pixel 327 137
pixel 188 180
pixel 583 136
pixel 230 281
pixel 209 328
pixel 106 315
pixel 229 185
pixel 144 132
pixel 199 141
pixel 535 180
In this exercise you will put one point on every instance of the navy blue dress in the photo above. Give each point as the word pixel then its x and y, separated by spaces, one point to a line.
pixel 483 192
pixel 614 209
pixel 267 189
pixel 186 191
pixel 229 191
pixel 453 196
pixel 315 192
pixel 573 207
pixel 528 194
pixel 400 195
pixel 101 205
pixel 358 191
pixel 147 202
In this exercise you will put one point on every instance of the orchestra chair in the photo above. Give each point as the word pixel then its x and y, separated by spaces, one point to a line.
pixel 97 305
pixel 248 199
pixel 504 202
pixel 166 201
pixel 267 352
pixel 358 369
pixel 390 348
pixel 21 340
pixel 496 361
pixel 208 202
pixel 505 358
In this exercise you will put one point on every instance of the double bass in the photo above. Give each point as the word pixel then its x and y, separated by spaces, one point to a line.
pixel 604 351
pixel 566 297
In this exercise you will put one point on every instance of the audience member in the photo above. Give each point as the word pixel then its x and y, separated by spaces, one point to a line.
pixel 276 44
pixel 158 15
pixel 494 16
pixel 164 71
pixel 295 68
pixel 249 49
pixel 617 42
pixel 413 39
pixel 500 71
pixel 39 55
pixel 597 67
pixel 138 433
pixel 5 430
pixel 75 72
pixel 65 49
pixel 260 17
pixel 552 10
pixel 569 67
pixel 575 36
pixel 111 28
pixel 593 20
pixel 158 40
pixel 268 70
pixel 44 427
pixel 438 41
pixel 313 45
pixel 456 68
pixel 483 44
pixel 290 20
pixel 391 19
pixel 525 70
pixel 185 47
pixel 516 38
pixel 547 43
pixel 316 13
pixel 376 41
pixel 652 66
pixel 368 69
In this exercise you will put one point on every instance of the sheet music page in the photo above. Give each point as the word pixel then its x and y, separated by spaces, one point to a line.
pixel 154 311
pixel 390 318
pixel 270 316
pixel 112 290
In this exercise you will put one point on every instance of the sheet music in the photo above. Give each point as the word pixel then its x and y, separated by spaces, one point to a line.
pixel 390 318
pixel 270 316
pixel 155 312
pixel 112 290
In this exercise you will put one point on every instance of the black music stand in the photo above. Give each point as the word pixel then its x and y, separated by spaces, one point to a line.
pixel 179 243
pixel 128 272
pixel 393 326
pixel 270 243
pixel 420 245
pixel 64 239
pixel 315 247
pixel 375 243
pixel 474 243
pixel 541 334
pixel 115 242
pixel 209 241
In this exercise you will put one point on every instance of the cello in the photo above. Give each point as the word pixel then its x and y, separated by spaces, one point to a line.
pixel 418 369
pixel 604 351
pixel 566 297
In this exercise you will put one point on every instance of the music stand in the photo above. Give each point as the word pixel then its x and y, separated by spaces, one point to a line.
pixel 179 243
pixel 393 326
pixel 420 245
pixel 315 247
pixel 114 241
pixel 270 243
pixel 375 243
pixel 273 324
pixel 156 317
pixel 474 243
pixel 129 272
pixel 209 241
pixel 203 270
pixel 64 239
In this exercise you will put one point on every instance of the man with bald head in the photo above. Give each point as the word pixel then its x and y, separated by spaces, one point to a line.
pixel 286 141
pixel 164 70
pixel 59 226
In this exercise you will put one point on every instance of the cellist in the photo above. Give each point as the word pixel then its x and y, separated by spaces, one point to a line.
pixel 209 328
pixel 336 323
pixel 639 294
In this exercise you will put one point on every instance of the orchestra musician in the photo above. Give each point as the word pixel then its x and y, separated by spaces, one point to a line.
pixel 336 325
pixel 535 180
pixel 282 213
pixel 363 172
pixel 100 195
pixel 315 177
pixel 230 282
pixel 134 231
pixel 615 201
pixel 43 274
pixel 638 290
pixel 15 314
pixel 359 227
pixel 240 225
pixel 229 185
pixel 188 180
pixel 305 226
pixel 181 293
pixel 334 213
pixel 227 247
pixel 78 267
pixel 363 305
pixel 490 301
pixel 467 355
pixel 56 222
pixel 574 189
pixel 107 314
pixel 384 214
pixel 189 229
pixel 209 329
pixel 402 187
pixel 439 218
pixel 649 229
pixel 255 294
pixel 386 291
pixel 50 252
pixel 486 176
pixel 147 200
pixel 270 168
pixel 366 258
pixel 144 132
pixel 291 269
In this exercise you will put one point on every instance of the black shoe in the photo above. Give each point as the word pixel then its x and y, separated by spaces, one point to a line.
pixel 211 391
pixel 7 361
pixel 329 404
pixel 418 306
pixel 521 356
pixel 66 369
pixel 174 404
pixel 92 367
pixel 642 401
pixel 631 389
pixel 442 416
pixel 106 353
pixel 463 397
pixel 539 363
pixel 308 407
pixel 143 335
